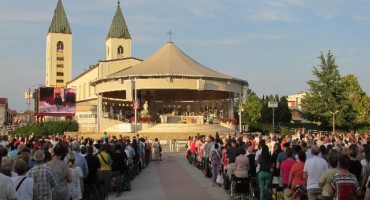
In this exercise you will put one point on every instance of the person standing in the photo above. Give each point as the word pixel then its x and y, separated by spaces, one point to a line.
pixel 156 150
pixel 105 166
pixel 286 166
pixel 60 191
pixel 296 180
pixel 264 174
pixel 93 165
pixel 79 160
pixel 25 186
pixel 344 185
pixel 7 189
pixel 44 176
pixel 74 187
pixel 355 166
pixel 215 157
pixel 314 167
pixel 232 153
pixel 252 164
pixel 328 175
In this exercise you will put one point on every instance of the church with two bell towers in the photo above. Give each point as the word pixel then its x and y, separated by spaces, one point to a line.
pixel 175 88
pixel 59 62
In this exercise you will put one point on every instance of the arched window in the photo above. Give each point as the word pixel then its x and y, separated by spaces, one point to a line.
pixel 120 51
pixel 60 46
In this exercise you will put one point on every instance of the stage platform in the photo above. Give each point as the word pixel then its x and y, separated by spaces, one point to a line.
pixel 186 128
pixel 165 131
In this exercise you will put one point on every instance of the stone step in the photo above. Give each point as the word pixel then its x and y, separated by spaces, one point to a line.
pixel 190 128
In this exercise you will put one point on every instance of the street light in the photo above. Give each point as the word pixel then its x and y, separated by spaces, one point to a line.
pixel 273 104
pixel 334 113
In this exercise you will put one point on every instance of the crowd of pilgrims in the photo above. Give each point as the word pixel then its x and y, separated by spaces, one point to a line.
pixel 61 167
pixel 300 166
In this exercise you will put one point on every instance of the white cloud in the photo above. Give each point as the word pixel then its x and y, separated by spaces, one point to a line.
pixel 24 16
pixel 233 40
pixel 360 17
pixel 201 13
pixel 272 15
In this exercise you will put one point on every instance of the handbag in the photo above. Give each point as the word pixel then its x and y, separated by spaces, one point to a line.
pixel 288 194
pixel 275 180
pixel 220 179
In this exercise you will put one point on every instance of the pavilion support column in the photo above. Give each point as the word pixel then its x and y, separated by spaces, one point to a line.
pixel 231 103
pixel 99 113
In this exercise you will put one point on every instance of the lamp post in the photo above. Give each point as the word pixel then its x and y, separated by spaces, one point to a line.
pixel 273 104
pixel 334 113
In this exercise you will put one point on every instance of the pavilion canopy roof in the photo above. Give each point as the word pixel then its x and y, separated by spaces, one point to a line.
pixel 171 61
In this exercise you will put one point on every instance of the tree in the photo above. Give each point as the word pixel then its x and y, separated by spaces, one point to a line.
pixel 357 97
pixel 252 110
pixel 266 112
pixel 327 96
pixel 282 111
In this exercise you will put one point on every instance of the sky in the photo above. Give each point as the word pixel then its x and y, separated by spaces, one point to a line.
pixel 272 44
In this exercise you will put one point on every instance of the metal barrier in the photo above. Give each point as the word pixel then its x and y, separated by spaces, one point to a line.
pixel 180 144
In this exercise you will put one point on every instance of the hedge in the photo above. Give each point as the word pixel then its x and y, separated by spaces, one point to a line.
pixel 47 128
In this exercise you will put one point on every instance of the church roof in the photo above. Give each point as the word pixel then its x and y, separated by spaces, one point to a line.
pixel 118 28
pixel 171 61
pixel 60 24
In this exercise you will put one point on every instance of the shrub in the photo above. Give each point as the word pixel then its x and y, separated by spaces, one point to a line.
pixel 47 128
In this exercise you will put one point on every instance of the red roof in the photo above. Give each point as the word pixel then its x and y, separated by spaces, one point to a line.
pixel 13 112
pixel 3 100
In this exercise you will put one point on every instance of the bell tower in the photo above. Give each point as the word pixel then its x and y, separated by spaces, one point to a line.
pixel 58 49
pixel 118 41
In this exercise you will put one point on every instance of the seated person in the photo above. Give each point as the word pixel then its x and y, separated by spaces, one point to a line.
pixel 241 165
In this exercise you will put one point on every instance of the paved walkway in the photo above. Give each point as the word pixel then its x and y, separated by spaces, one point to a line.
pixel 172 178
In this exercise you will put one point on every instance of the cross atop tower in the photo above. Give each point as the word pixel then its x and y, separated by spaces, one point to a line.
pixel 118 2
pixel 170 34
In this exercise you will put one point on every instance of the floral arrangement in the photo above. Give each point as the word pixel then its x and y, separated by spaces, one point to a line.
pixel 147 119
pixel 229 120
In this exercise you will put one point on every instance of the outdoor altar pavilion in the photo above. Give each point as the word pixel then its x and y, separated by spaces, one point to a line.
pixel 174 89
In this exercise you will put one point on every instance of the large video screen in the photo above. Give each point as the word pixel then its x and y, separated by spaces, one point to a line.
pixel 57 101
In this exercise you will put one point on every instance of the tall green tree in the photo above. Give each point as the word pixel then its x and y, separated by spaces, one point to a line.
pixel 357 97
pixel 283 112
pixel 326 97
pixel 266 112
pixel 252 110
